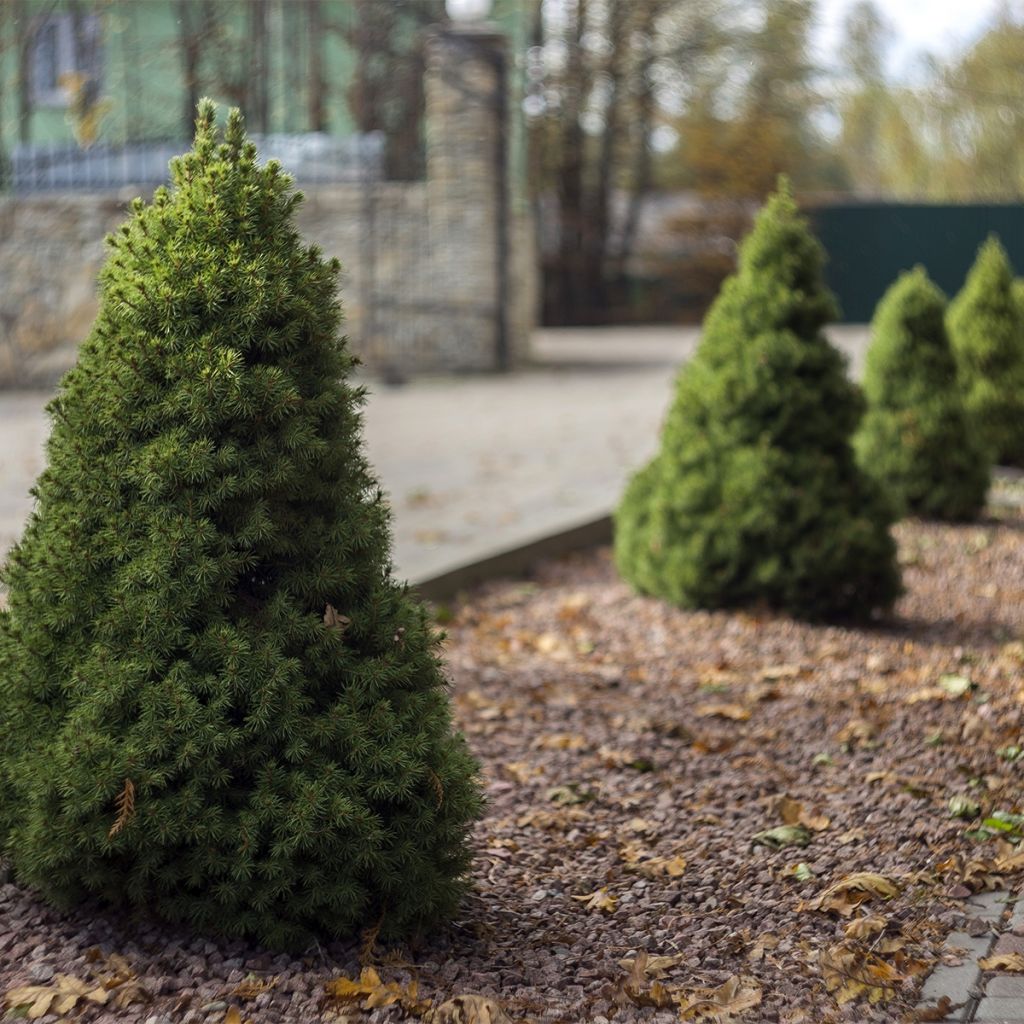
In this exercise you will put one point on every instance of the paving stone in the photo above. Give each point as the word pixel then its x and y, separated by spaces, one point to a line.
pixel 1006 985
pixel 952 982
pixel 990 905
pixel 1001 1009
pixel 975 946
pixel 1009 943
pixel 1017 918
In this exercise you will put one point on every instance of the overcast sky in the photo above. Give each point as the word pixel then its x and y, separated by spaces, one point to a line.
pixel 935 25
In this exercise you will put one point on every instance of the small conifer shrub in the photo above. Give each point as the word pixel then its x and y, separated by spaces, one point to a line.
pixel 755 496
pixel 216 702
pixel 986 329
pixel 916 438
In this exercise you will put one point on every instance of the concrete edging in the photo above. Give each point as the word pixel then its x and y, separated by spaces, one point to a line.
pixel 515 561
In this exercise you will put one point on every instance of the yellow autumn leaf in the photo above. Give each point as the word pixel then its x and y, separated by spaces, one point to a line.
pixel 468 1009
pixel 864 927
pixel 1002 962
pixel 733 712
pixel 850 973
pixel 600 899
pixel 720 1004
pixel 850 892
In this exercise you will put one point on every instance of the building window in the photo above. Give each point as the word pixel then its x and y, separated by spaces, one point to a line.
pixel 63 46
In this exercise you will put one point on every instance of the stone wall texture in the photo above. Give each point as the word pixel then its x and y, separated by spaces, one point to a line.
pixel 439 275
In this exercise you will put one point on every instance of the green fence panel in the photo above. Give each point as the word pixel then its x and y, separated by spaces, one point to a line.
pixel 869 244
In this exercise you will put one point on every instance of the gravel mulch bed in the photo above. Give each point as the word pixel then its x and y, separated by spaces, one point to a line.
pixel 632 754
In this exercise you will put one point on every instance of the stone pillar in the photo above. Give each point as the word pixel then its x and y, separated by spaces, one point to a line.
pixel 472 236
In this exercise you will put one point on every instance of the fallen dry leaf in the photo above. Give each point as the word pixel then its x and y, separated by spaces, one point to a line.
pixel 333 620
pixel 857 731
pixel 733 712
pixel 720 1004
pixel 373 992
pixel 864 927
pixel 792 812
pixel 940 1011
pixel 648 966
pixel 763 942
pixel 850 973
pixel 846 895
pixel 59 997
pixel 468 1009
pixel 1002 962
pixel 600 899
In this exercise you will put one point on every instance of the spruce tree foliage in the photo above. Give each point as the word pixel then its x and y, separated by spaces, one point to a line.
pixel 217 704
pixel 986 329
pixel 916 438
pixel 754 496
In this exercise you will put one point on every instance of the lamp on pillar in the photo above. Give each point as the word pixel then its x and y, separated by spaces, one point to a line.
pixel 468 12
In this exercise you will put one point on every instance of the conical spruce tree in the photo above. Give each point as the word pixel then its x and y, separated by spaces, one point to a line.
pixel 754 496
pixel 217 704
pixel 986 329
pixel 916 438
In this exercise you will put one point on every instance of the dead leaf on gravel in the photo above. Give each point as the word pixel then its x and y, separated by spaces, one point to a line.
pixel 792 812
pixel 647 966
pixel 560 741
pixel 781 672
pixel 940 1011
pixel 865 927
pixel 600 899
pixel 252 986
pixel 638 988
pixel 850 973
pixel 846 895
pixel 60 997
pixel 720 1004
pixel 763 942
pixel 857 732
pixel 783 835
pixel 468 1009
pixel 563 819
pixel 372 992
pixel 1003 962
pixel 732 712
pixel 853 835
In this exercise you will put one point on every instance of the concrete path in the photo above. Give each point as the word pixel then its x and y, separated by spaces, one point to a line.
pixel 475 464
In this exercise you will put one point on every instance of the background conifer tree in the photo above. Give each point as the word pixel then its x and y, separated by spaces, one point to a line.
pixel 986 329
pixel 916 438
pixel 754 495
pixel 216 702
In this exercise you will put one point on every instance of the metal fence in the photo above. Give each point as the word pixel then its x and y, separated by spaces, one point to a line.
pixel 311 157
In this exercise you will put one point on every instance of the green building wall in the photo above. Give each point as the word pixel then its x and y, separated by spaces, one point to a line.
pixel 143 87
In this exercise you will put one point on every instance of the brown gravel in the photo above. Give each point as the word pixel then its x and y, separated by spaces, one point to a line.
pixel 621 738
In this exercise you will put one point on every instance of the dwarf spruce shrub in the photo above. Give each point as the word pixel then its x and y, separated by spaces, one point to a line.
pixel 986 329
pixel 754 496
pixel 216 702
pixel 916 438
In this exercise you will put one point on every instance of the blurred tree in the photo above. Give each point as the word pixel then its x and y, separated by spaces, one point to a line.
pixel 981 111
pixel 754 115
pixel 602 77
pixel 865 104
pixel 386 93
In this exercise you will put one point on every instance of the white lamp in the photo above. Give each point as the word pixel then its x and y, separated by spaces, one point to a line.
pixel 464 12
